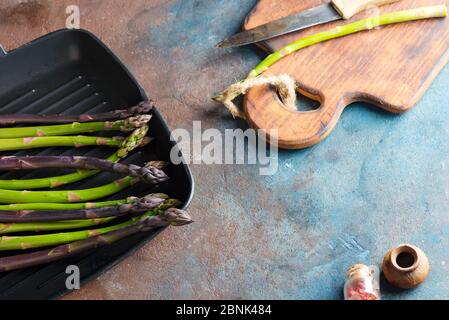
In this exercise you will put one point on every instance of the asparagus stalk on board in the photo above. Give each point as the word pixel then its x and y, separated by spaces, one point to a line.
pixel 64 196
pixel 141 108
pixel 8 228
pixel 147 203
pixel 136 139
pixel 439 11
pixel 58 141
pixel 173 217
pixel 75 128
pixel 145 174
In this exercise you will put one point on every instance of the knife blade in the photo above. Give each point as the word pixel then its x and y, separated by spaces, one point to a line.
pixel 335 10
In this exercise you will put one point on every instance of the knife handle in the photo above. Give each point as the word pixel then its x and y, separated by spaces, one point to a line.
pixel 349 8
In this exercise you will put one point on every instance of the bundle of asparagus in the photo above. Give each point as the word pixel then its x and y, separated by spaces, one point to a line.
pixel 52 213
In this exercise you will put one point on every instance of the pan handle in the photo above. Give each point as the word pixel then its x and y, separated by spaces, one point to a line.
pixel 2 51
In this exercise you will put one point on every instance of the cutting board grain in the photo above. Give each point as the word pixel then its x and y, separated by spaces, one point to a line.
pixel 390 67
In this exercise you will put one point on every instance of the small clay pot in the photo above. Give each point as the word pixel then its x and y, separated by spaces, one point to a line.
pixel 405 266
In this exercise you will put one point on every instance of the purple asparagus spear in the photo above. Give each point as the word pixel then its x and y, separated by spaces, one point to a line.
pixel 11 119
pixel 144 204
pixel 148 174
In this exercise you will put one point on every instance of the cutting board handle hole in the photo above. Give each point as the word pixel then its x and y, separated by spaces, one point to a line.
pixel 304 103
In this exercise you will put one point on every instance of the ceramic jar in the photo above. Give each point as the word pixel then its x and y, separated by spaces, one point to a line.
pixel 406 266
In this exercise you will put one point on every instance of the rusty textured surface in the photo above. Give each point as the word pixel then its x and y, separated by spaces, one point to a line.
pixel 378 181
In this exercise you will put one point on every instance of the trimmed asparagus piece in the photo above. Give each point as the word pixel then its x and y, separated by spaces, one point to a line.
pixel 147 203
pixel 173 217
pixel 58 141
pixel 145 174
pixel 75 128
pixel 136 139
pixel 141 108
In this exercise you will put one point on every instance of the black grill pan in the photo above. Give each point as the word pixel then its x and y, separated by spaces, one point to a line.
pixel 73 72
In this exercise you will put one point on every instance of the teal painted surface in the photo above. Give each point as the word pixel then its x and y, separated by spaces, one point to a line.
pixel 379 180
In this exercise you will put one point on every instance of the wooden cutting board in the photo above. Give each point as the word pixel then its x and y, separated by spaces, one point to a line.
pixel 390 67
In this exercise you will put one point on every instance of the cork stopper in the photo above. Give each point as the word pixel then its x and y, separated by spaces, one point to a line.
pixel 358 271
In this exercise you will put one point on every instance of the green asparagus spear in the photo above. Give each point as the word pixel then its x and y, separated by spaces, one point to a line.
pixel 38 241
pixel 58 141
pixel 60 206
pixel 7 228
pixel 14 196
pixel 439 11
pixel 75 128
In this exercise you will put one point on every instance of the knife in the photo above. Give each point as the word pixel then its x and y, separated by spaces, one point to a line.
pixel 334 10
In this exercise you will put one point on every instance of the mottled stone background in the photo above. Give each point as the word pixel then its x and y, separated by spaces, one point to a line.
pixel 377 181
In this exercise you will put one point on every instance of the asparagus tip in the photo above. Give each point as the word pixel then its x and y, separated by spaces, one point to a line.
pixel 136 122
pixel 176 217
pixel 150 202
pixel 171 203
pixel 134 140
pixel 159 195
pixel 143 107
